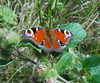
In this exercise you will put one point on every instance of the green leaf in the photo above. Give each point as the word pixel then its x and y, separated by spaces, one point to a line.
pixel 28 43
pixel 6 53
pixel 78 66
pixel 95 79
pixel 64 62
pixel 46 61
pixel 94 71
pixel 8 15
pixel 52 73
pixel 91 65
pixel 77 31
pixel 5 62
pixel 91 62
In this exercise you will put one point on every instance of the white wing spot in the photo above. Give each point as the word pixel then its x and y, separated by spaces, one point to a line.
pixel 36 38
pixel 36 29
pixel 58 29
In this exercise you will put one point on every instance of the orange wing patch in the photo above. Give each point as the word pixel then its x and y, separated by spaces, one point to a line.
pixel 60 36
pixel 56 44
pixel 39 36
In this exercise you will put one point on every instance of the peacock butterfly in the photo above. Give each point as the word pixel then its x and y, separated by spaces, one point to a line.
pixel 49 39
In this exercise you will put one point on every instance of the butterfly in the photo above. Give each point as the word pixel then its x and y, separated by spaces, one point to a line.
pixel 49 39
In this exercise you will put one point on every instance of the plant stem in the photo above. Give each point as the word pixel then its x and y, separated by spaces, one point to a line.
pixel 24 57
pixel 63 79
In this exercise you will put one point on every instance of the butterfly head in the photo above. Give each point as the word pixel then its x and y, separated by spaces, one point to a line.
pixel 29 33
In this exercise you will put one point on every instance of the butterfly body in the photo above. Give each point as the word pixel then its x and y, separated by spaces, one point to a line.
pixel 49 39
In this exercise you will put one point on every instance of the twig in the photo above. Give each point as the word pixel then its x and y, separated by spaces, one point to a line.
pixel 91 22
pixel 65 81
pixel 24 57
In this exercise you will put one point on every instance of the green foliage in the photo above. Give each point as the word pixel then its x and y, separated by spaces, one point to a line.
pixel 11 38
pixel 73 75
pixel 94 60
pixel 7 15
pixel 74 64
pixel 92 70
pixel 28 43
pixel 3 32
pixel 95 79
pixel 64 62
pixel 8 39
pixel 47 73
pixel 52 73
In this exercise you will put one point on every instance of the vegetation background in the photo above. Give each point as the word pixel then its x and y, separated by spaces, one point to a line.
pixel 19 15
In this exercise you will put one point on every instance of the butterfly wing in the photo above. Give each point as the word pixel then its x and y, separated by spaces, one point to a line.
pixel 49 39
pixel 39 37
pixel 63 36
pixel 34 34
